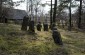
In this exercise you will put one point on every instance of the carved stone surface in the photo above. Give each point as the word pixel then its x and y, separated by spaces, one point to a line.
pixel 57 37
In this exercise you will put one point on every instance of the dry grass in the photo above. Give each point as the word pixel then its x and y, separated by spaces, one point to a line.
pixel 74 41
pixel 13 41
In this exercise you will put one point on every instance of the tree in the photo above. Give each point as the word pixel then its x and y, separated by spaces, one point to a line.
pixel 37 3
pixel 51 16
pixel 3 5
pixel 56 35
pixel 32 3
pixel 69 28
pixel 80 13
pixel 0 7
pixel 54 14
pixel 68 4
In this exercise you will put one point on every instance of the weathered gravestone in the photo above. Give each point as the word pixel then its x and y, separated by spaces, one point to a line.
pixel 39 26
pixel 45 27
pixel 56 36
pixel 24 24
pixel 31 26
pixel 6 20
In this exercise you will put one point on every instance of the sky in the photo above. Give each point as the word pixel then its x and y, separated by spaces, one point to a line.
pixel 22 6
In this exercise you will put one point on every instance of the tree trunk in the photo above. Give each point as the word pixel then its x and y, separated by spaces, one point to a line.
pixel 0 8
pixel 51 16
pixel 55 34
pixel 54 14
pixel 69 27
pixel 80 13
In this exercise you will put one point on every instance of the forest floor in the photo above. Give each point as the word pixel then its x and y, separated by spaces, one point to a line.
pixel 13 41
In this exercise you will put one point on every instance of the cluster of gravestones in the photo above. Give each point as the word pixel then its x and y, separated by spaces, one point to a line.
pixel 26 22
pixel 55 34
pixel 45 26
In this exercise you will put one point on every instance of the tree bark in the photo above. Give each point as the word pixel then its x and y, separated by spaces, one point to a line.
pixel 55 34
pixel 69 27
pixel 0 7
pixel 51 16
pixel 80 13
pixel 0 10
pixel 54 14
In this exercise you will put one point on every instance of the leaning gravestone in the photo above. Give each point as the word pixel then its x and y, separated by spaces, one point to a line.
pixel 24 24
pixel 39 26
pixel 56 36
pixel 45 27
pixel 31 26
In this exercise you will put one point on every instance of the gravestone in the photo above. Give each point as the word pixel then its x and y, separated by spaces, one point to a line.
pixel 31 26
pixel 24 24
pixel 6 20
pixel 39 26
pixel 56 36
pixel 45 27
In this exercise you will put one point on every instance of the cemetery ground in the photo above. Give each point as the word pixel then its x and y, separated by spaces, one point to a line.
pixel 13 41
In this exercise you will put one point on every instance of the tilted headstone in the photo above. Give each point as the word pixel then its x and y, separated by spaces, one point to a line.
pixel 57 37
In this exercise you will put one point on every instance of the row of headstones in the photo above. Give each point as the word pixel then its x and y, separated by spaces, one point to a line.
pixel 55 34
pixel 26 22
pixel 31 26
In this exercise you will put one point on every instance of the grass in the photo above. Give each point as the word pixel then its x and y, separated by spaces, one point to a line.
pixel 74 41
pixel 16 42
pixel 13 41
